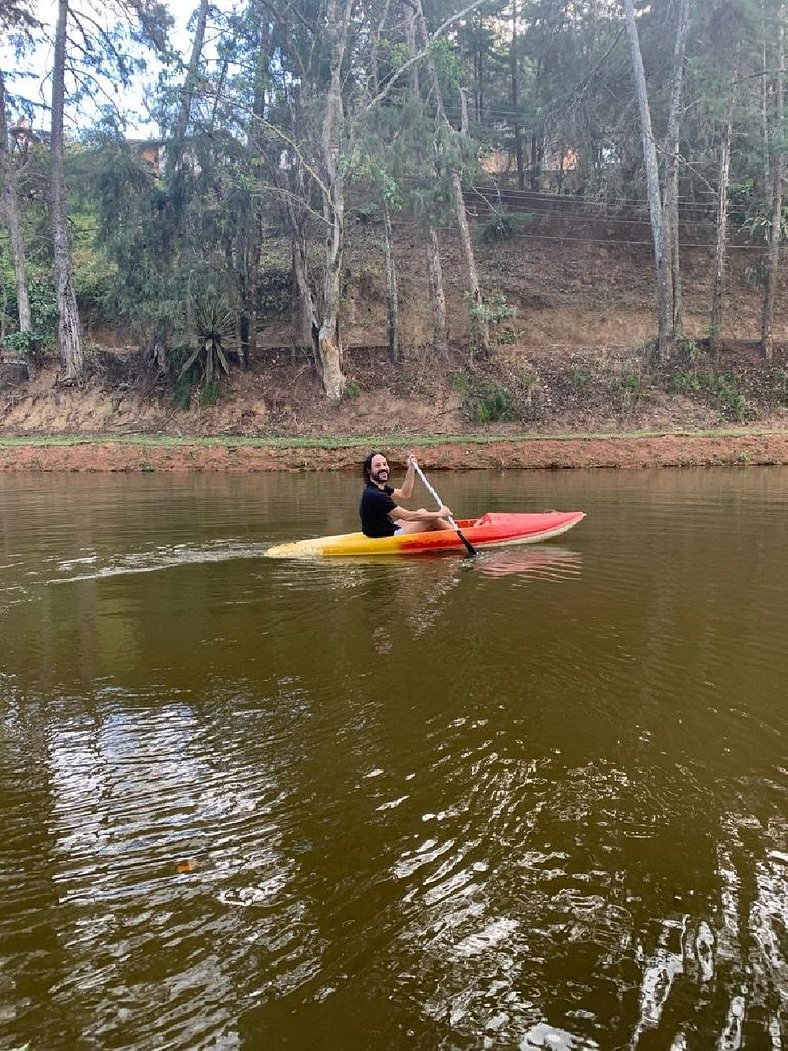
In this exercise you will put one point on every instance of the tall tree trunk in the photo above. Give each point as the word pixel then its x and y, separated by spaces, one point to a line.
pixel 718 287
pixel 479 328
pixel 392 294
pixel 305 320
pixel 776 168
pixel 69 329
pixel 514 70
pixel 252 238
pixel 190 83
pixel 437 294
pixel 329 338
pixel 671 207
pixel 764 110
pixel 662 259
pixel 13 218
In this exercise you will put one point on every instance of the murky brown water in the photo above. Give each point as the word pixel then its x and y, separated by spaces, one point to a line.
pixel 536 799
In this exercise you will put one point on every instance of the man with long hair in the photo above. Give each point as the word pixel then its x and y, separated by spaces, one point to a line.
pixel 380 511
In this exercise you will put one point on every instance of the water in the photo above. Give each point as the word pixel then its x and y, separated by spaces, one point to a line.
pixel 536 799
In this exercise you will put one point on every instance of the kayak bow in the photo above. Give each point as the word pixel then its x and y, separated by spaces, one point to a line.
pixel 491 530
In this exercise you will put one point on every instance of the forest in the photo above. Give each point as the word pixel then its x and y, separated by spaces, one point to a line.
pixel 288 130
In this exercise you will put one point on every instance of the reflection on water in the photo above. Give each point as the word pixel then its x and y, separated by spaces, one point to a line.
pixel 532 799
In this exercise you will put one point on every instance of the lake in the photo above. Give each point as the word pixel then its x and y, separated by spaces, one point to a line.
pixel 533 799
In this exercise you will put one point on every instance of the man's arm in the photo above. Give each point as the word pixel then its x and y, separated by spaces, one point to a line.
pixel 402 514
pixel 405 492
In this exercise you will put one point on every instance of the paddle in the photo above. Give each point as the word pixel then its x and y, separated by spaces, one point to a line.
pixel 469 546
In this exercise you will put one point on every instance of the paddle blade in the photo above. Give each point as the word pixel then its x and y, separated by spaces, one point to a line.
pixel 468 545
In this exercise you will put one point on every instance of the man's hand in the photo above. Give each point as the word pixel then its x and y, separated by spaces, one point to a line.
pixel 445 512
pixel 411 460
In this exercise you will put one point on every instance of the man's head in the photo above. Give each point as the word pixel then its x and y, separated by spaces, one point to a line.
pixel 376 469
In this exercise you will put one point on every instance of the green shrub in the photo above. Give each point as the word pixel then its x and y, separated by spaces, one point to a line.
pixel 493 311
pixel 502 225
pixel 182 392
pixel 489 402
pixel 627 390
pixel 276 286
pixel 22 344
pixel 209 394
pixel 686 349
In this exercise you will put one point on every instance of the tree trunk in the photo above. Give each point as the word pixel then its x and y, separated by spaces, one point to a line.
pixel 392 295
pixel 775 227
pixel 514 70
pixel 537 142
pixel 718 287
pixel 158 348
pixel 305 323
pixel 14 220
pixel 330 349
pixel 252 238
pixel 69 330
pixel 764 110
pixel 663 264
pixel 185 109
pixel 672 138
pixel 329 341
pixel 479 328
pixel 437 295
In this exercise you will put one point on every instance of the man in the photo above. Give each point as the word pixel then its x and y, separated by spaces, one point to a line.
pixel 380 512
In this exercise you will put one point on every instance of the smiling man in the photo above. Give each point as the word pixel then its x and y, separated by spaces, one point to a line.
pixel 381 514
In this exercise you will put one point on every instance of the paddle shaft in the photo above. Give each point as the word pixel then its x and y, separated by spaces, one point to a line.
pixel 470 548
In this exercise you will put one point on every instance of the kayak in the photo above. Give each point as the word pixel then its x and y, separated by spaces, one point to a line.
pixel 491 530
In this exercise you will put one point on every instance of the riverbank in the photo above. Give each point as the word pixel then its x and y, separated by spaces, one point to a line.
pixel 524 452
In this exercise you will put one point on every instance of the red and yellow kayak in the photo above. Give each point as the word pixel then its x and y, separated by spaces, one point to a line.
pixel 491 530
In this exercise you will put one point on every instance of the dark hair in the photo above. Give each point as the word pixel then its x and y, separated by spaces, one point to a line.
pixel 368 465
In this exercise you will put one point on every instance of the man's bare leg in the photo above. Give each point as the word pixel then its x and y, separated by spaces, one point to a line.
pixel 423 527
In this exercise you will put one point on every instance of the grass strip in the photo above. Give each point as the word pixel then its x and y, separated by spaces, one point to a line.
pixel 362 441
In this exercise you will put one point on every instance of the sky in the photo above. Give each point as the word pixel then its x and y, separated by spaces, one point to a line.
pixel 37 87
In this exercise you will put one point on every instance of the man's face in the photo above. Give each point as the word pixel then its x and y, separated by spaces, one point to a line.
pixel 379 470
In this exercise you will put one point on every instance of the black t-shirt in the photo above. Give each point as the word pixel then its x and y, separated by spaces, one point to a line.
pixel 374 510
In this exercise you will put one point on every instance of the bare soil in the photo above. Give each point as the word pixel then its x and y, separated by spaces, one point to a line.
pixel 667 450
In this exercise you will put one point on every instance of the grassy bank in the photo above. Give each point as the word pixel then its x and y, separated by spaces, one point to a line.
pixel 387 441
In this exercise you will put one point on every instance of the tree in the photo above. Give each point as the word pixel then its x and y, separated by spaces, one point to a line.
pixel 447 152
pixel 658 225
pixel 69 339
pixel 774 153
pixel 13 219
pixel 671 190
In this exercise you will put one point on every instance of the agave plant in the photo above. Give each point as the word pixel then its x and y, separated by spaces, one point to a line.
pixel 213 328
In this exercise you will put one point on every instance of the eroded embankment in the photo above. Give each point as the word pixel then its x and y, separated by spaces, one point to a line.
pixel 663 450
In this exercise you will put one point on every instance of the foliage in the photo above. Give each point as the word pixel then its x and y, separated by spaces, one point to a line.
pixel 21 344
pixel 717 389
pixel 503 225
pixel 43 311
pixel 494 311
pixel 275 288
pixel 213 327
pixel 209 394
pixel 489 402
pixel 627 389
pixel 249 152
